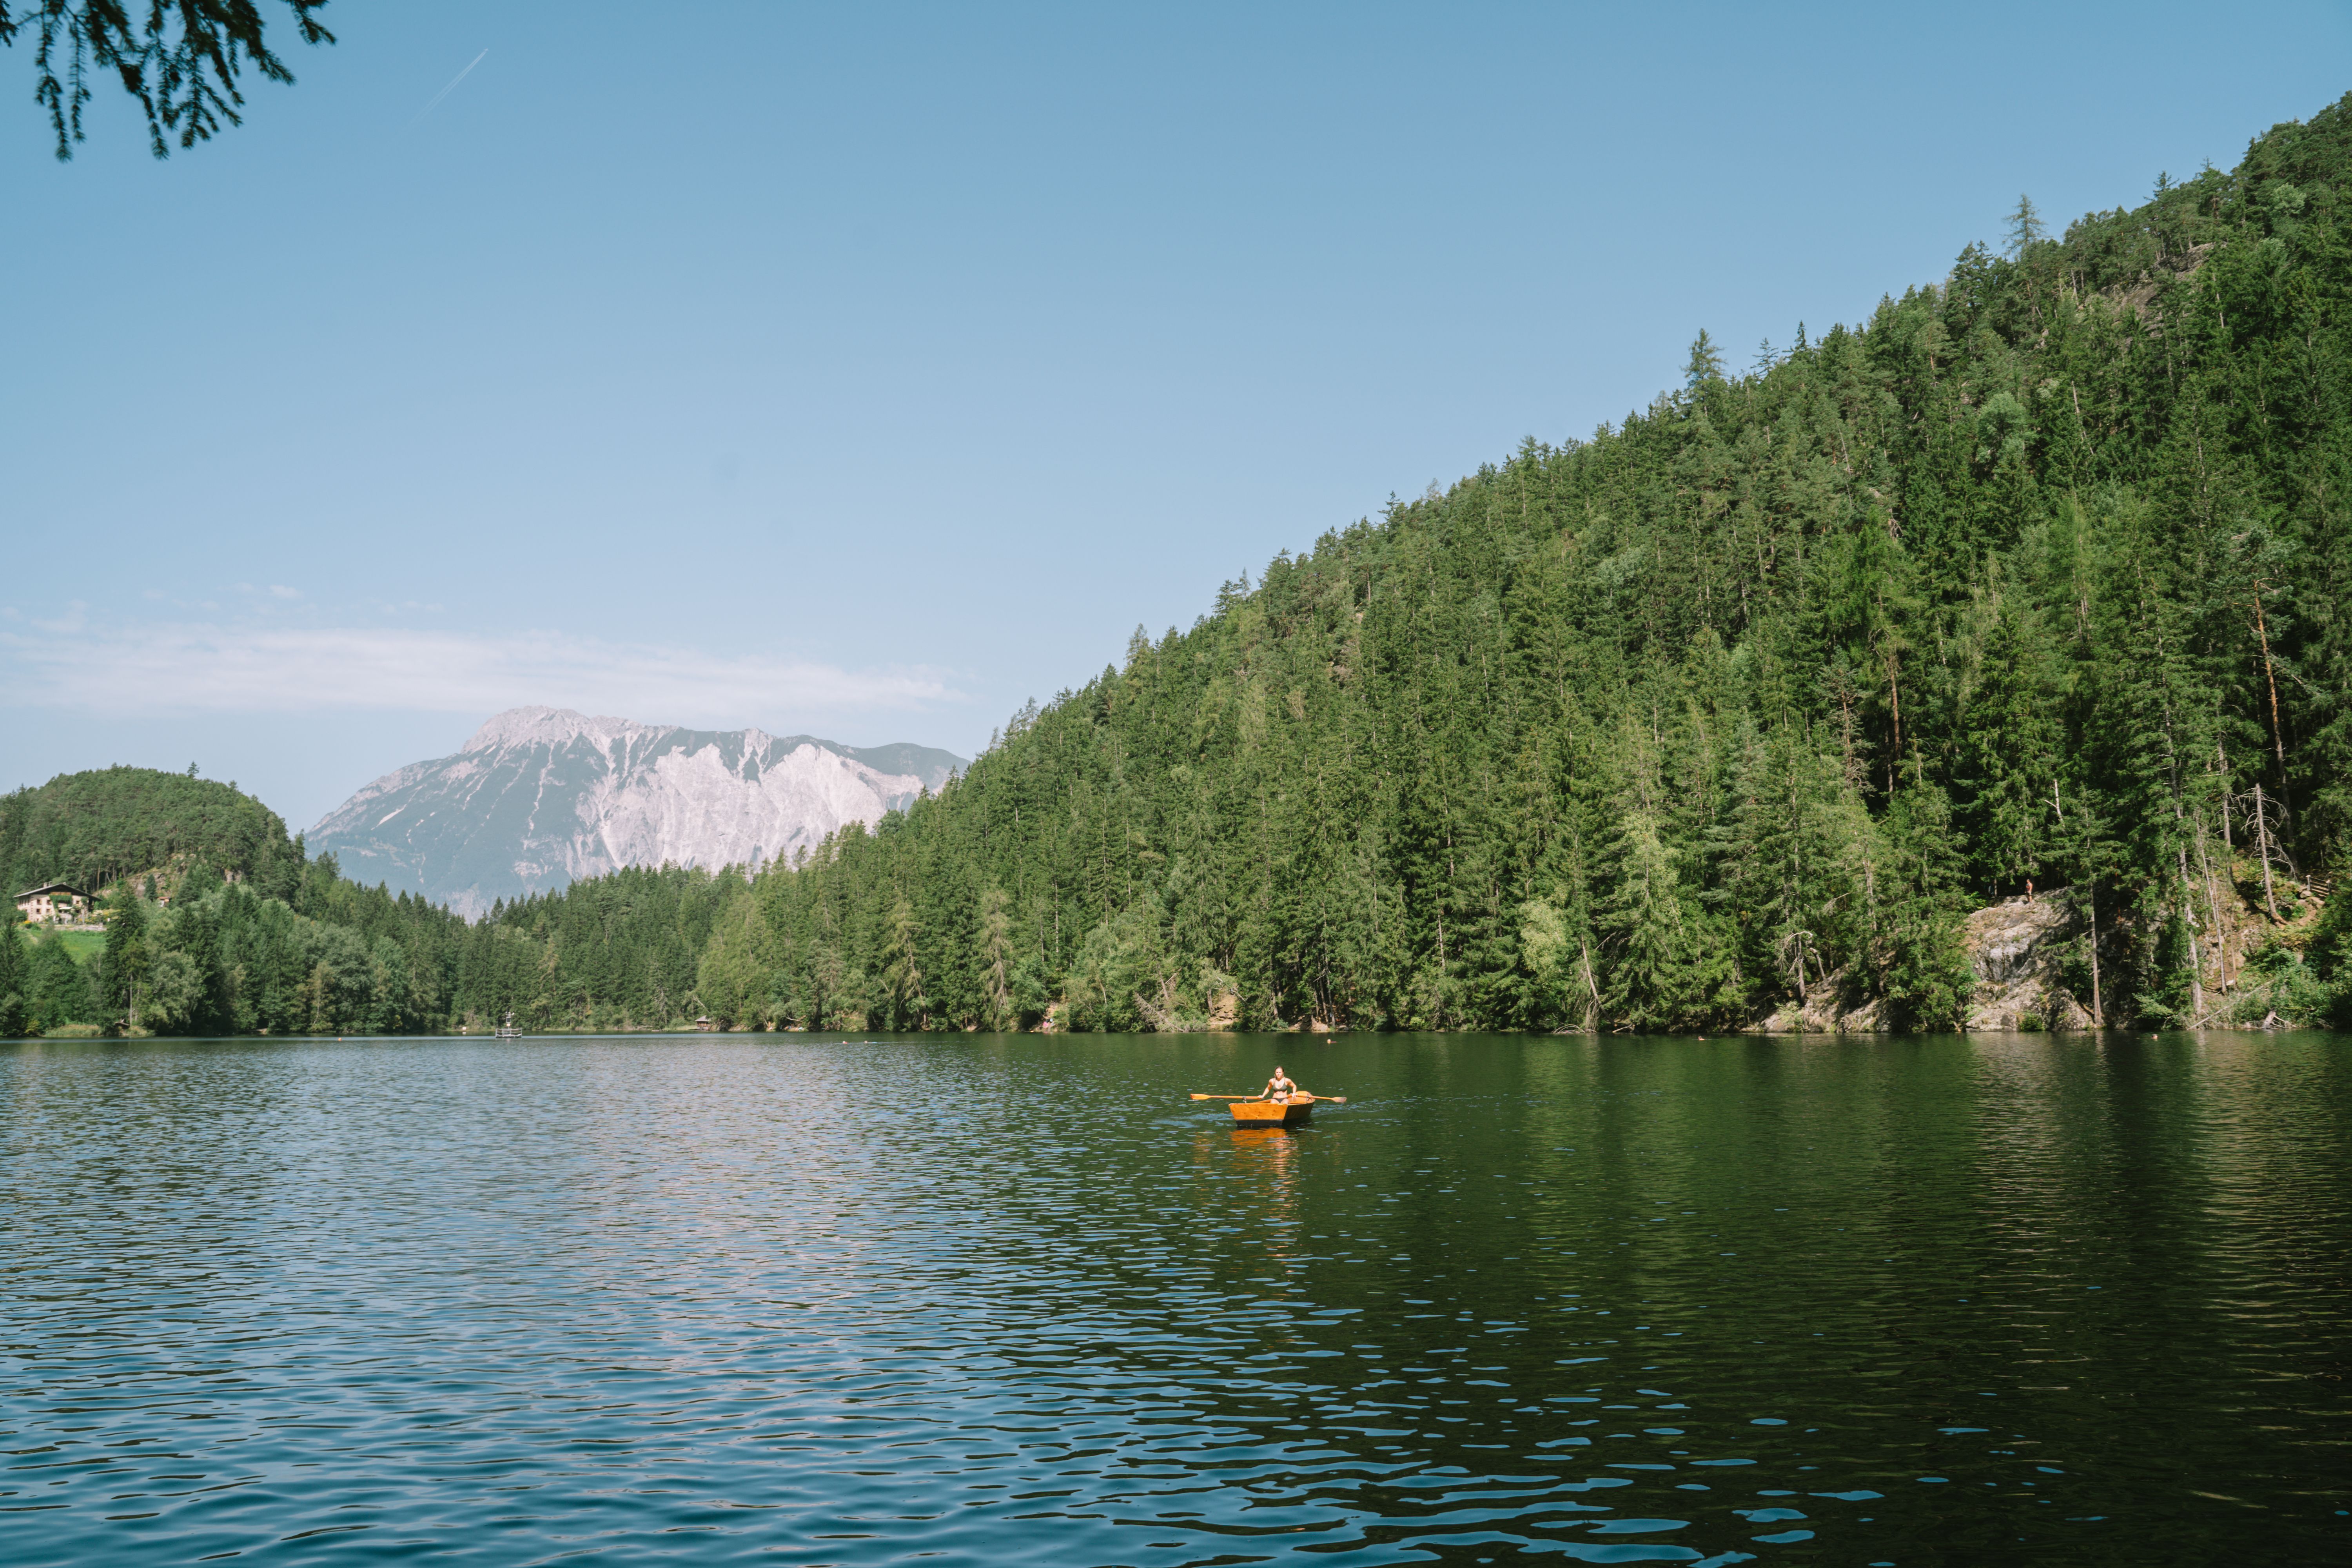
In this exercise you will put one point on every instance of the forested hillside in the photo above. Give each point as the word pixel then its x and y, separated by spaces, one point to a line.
pixel 2041 571
pixel 88 828
pixel 221 924
pixel 287 945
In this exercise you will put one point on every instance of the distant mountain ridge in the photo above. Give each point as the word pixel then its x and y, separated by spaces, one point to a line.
pixel 540 796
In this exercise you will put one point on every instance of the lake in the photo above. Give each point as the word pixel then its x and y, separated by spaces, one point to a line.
pixel 1015 1300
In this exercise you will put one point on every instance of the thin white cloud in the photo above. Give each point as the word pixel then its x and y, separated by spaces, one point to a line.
pixel 213 668
pixel 445 91
pixel 280 590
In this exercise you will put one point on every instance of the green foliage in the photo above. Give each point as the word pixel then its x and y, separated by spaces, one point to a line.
pixel 12 979
pixel 289 946
pixel 55 989
pixel 1747 701
pixel 2282 980
pixel 1923 971
pixel 2328 957
pixel 180 62
pixel 626 951
pixel 1752 695
pixel 88 828
pixel 122 967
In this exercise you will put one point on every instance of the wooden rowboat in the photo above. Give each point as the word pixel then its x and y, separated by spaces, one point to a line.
pixel 1257 1111
pixel 1271 1113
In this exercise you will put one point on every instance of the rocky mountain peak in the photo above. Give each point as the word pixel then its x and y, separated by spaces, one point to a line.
pixel 535 726
pixel 539 796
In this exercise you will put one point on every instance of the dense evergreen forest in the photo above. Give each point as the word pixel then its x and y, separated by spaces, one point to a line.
pixel 2044 571
pixel 2041 573
pixel 216 920
pixel 89 828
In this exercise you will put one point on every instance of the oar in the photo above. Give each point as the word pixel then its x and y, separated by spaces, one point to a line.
pixel 1312 1099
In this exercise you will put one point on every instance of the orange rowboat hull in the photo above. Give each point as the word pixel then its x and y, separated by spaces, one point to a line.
pixel 1266 1113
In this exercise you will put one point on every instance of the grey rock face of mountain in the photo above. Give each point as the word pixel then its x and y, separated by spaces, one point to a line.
pixel 540 796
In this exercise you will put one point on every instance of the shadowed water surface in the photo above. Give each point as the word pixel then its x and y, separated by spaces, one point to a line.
pixel 978 1300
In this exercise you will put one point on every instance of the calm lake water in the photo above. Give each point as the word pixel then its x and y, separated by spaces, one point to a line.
pixel 976 1299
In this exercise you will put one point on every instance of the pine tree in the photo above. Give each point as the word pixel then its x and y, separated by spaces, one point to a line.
pixel 996 957
pixel 1922 960
pixel 124 964
pixel 1704 364
pixel 903 1000
pixel 1653 983
pixel 2025 228
pixel 12 979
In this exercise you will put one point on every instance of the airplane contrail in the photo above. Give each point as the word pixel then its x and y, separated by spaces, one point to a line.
pixel 454 81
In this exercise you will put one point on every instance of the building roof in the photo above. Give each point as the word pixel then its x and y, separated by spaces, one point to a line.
pixel 52 888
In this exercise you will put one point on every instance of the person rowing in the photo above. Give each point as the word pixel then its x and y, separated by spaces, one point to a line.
pixel 1279 1089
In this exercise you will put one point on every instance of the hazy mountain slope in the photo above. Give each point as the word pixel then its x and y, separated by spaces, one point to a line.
pixel 539 796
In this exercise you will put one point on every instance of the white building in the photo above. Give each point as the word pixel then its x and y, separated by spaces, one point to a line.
pixel 53 901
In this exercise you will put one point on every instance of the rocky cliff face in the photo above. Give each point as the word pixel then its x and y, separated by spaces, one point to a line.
pixel 540 796
pixel 2030 960
pixel 2017 950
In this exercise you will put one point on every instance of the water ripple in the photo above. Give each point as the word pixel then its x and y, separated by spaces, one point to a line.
pixel 1007 1300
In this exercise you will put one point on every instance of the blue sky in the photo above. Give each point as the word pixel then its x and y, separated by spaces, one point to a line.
pixel 866 370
